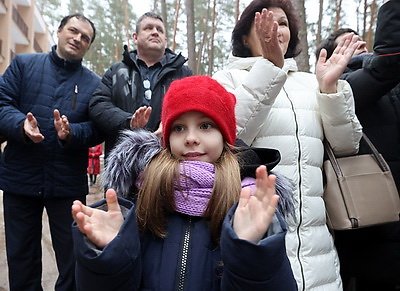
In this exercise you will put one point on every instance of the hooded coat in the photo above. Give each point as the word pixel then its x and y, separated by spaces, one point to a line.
pixel 187 259
pixel 283 109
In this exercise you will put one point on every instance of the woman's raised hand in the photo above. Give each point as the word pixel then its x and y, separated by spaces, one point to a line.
pixel 100 227
pixel 328 71
pixel 254 213
pixel 267 32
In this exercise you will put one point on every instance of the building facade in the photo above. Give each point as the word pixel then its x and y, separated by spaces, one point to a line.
pixel 22 30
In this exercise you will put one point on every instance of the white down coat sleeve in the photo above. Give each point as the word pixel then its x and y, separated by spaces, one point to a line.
pixel 341 126
pixel 255 91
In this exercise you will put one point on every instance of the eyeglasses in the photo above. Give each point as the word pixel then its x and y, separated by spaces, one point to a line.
pixel 147 92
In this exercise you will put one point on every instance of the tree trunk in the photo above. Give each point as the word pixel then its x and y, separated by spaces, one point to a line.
pixel 178 6
pixel 164 15
pixel 319 23
pixel 364 34
pixel 237 10
pixel 302 60
pixel 370 35
pixel 211 51
pixel 338 14
pixel 127 28
pixel 191 39
pixel 204 44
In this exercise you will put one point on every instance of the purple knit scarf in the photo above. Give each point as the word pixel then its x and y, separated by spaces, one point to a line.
pixel 196 184
pixel 193 192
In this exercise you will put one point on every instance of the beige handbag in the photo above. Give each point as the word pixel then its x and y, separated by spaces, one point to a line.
pixel 360 190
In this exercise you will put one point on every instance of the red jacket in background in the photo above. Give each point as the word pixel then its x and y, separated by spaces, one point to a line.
pixel 94 159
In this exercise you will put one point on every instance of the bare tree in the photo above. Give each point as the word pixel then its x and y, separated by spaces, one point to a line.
pixel 319 22
pixel 164 15
pixel 211 50
pixel 237 10
pixel 338 13
pixel 370 34
pixel 191 37
pixel 127 27
pixel 302 60
pixel 203 23
pixel 364 33
pixel 178 6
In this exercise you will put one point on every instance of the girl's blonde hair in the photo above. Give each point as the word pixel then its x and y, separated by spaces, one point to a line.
pixel 156 198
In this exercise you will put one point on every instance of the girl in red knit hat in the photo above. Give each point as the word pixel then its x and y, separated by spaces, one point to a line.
pixel 194 226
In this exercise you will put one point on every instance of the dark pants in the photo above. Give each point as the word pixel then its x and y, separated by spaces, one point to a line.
pixel 370 257
pixel 23 229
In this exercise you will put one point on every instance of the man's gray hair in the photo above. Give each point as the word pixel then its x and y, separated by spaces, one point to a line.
pixel 147 14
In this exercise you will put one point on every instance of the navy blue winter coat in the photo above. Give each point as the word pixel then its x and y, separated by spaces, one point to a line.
pixel 186 259
pixel 40 83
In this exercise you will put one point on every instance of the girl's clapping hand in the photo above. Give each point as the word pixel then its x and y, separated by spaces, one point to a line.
pixel 100 227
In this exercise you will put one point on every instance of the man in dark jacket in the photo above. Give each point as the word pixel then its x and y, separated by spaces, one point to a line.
pixel 139 82
pixel 372 255
pixel 44 116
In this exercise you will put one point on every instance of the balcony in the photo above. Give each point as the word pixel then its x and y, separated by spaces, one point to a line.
pixel 3 8
pixel 12 54
pixel 23 2
pixel 1 51
pixel 37 47
pixel 39 25
pixel 19 28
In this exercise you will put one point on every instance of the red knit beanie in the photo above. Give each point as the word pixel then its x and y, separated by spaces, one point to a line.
pixel 203 94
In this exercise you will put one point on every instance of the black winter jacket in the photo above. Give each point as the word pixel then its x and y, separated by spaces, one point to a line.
pixel 375 81
pixel 40 83
pixel 374 253
pixel 118 96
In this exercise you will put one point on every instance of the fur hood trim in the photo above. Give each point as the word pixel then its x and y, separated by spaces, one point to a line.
pixel 128 159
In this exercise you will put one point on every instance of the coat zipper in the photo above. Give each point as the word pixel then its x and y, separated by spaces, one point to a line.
pixel 182 275
pixel 300 195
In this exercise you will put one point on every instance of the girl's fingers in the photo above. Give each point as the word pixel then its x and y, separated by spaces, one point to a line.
pixel 244 197
pixel 112 200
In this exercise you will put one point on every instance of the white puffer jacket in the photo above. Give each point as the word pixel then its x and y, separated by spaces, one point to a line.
pixel 283 109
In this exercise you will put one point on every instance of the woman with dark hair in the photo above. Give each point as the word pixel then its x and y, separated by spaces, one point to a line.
pixel 281 108
pixel 243 27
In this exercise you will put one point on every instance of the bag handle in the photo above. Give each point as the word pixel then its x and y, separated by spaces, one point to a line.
pixel 335 165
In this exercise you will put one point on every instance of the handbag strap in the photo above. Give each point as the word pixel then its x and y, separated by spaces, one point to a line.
pixel 381 162
pixel 335 165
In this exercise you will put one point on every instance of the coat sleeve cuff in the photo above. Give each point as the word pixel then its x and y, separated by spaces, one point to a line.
pixel 270 252
pixel 118 254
